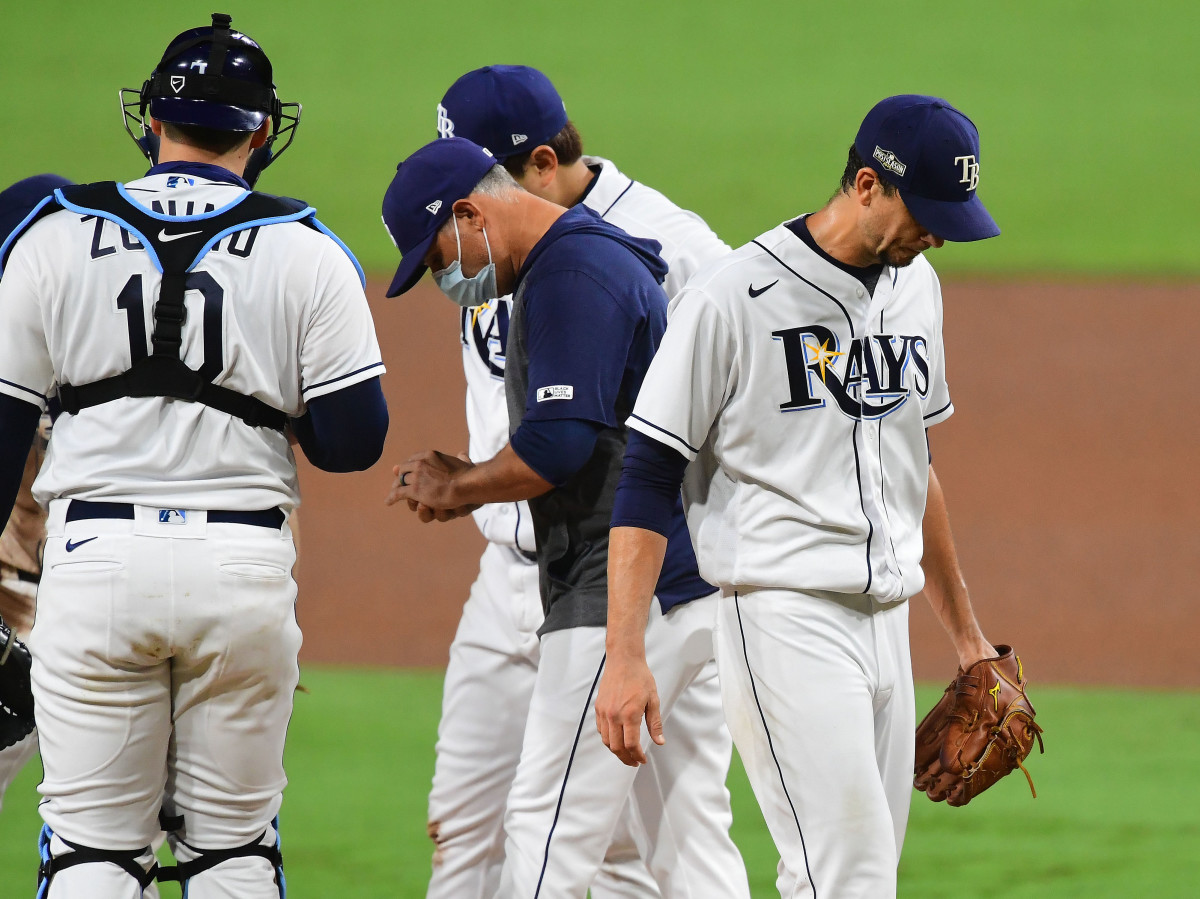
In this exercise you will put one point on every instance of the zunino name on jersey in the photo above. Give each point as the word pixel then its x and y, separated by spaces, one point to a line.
pixel 877 376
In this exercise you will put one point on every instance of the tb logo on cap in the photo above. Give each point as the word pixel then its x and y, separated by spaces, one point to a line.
pixel 970 171
pixel 445 126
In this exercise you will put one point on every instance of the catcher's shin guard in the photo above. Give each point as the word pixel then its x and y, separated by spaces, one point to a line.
pixel 132 861
pixel 194 862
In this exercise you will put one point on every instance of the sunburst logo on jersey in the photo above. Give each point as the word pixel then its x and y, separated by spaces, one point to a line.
pixel 478 309
pixel 824 356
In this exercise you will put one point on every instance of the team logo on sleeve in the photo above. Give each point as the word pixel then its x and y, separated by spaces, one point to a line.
pixel 873 377
pixel 556 392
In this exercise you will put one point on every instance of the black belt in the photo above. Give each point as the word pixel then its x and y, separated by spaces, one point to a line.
pixel 267 518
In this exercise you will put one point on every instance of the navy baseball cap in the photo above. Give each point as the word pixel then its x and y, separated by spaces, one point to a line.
pixel 508 109
pixel 17 201
pixel 930 151
pixel 421 197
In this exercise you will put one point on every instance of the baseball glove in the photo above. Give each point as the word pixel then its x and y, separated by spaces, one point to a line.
pixel 981 729
pixel 16 695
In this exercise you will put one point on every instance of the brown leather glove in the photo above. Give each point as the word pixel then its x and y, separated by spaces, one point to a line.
pixel 980 730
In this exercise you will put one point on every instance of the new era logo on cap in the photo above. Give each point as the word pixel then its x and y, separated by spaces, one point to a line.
pixel 434 207
pixel 519 139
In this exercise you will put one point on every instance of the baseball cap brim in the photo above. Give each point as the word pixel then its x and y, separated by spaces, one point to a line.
pixel 959 221
pixel 412 266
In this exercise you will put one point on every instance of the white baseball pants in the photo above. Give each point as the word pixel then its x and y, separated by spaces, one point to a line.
pixel 818 695
pixel 164 663
pixel 485 703
pixel 570 789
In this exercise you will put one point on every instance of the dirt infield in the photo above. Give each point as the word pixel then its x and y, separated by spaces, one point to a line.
pixel 1069 468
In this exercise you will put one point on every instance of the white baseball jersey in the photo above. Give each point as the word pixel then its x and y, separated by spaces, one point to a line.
pixel 687 244
pixel 292 324
pixel 804 401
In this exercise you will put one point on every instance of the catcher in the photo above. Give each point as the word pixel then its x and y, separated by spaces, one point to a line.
pixel 982 728
pixel 20 548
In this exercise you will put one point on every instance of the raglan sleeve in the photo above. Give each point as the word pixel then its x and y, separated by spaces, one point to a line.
pixel 698 245
pixel 339 347
pixel 26 372
pixel 690 377
pixel 937 403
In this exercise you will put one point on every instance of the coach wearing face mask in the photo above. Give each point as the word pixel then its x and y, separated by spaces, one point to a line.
pixel 588 313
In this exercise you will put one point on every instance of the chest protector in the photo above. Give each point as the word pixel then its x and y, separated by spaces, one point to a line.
pixel 187 240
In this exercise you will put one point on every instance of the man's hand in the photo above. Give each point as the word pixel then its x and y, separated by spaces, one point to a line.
pixel 426 482
pixel 627 692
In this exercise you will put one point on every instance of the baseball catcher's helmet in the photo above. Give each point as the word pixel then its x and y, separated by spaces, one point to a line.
pixel 216 78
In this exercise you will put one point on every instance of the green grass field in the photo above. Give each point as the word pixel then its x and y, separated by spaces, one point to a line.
pixel 742 111
pixel 1117 813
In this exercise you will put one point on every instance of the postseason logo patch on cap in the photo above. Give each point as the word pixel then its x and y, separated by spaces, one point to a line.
pixel 890 161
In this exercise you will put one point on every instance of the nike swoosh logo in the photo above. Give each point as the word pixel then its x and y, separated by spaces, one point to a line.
pixel 71 547
pixel 167 238
pixel 756 292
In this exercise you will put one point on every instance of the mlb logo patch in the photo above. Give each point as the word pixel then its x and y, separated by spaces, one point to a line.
pixel 555 392
pixel 172 516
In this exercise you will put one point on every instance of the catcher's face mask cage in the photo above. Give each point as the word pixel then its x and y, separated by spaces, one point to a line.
pixel 216 78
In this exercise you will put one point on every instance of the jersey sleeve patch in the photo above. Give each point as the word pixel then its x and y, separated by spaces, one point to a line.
pixel 555 392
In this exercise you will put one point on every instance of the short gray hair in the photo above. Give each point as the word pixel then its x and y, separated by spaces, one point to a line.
pixel 496 183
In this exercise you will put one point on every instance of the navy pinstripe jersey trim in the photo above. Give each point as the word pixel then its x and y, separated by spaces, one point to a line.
pixel 854 434
pixel 819 290
pixel 883 481
pixel 40 396
pixel 665 431
pixel 342 377
pixel 862 504
pixel 570 761
pixel 938 411
pixel 771 745
pixel 618 199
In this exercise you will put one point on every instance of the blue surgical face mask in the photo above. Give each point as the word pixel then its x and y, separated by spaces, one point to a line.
pixel 464 291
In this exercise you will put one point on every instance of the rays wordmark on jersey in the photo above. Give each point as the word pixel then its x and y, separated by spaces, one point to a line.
pixel 872 378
